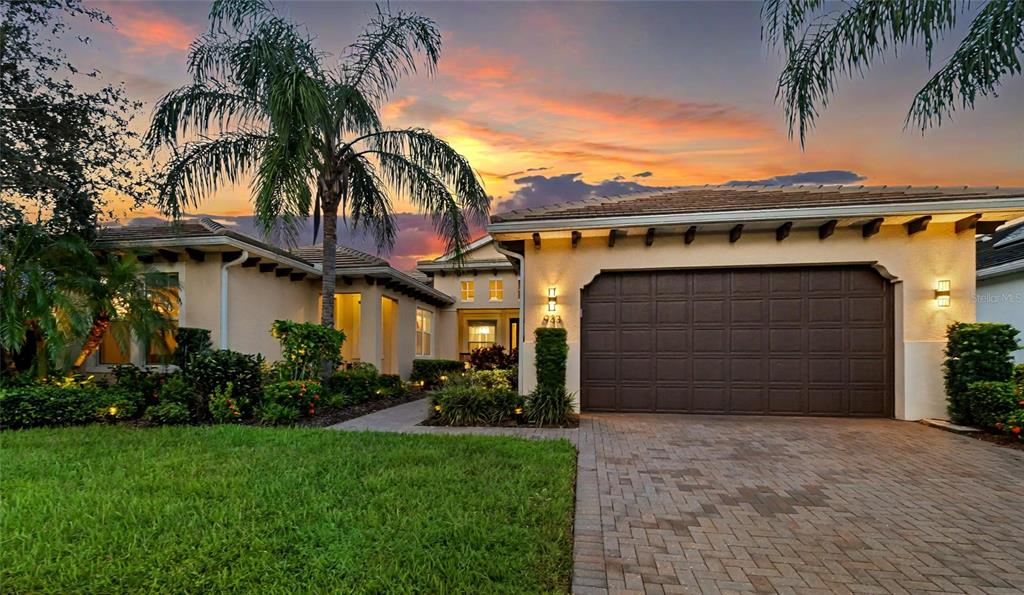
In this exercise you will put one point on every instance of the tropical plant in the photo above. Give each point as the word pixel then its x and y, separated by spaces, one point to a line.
pixel 120 288
pixel 821 48
pixel 263 101
pixel 305 347
pixel 549 406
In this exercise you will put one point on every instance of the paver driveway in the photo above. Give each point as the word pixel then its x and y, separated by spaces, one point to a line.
pixel 671 503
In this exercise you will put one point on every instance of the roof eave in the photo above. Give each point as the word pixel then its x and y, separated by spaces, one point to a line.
pixel 778 214
pixel 430 295
pixel 1000 270
pixel 215 240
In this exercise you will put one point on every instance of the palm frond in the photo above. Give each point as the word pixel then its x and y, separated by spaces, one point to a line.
pixel 355 113
pixel 236 13
pixel 200 168
pixel 389 49
pixel 369 204
pixel 196 108
pixel 847 45
pixel 438 157
pixel 990 52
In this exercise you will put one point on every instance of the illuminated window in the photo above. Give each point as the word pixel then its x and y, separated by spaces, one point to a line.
pixel 424 329
pixel 496 290
pixel 166 301
pixel 481 333
pixel 111 350
pixel 468 289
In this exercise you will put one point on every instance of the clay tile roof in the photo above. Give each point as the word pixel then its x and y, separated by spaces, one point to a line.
pixel 992 251
pixel 346 257
pixel 738 198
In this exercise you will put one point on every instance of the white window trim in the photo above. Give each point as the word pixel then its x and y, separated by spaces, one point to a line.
pixel 499 280
pixel 433 317
pixel 461 293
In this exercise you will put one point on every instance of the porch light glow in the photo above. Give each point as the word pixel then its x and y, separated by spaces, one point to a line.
pixel 942 293
pixel 552 299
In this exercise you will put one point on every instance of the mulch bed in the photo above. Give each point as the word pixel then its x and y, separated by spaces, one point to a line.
pixel 1005 440
pixel 328 417
pixel 572 423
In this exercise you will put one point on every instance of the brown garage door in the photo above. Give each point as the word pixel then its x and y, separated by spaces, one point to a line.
pixel 768 341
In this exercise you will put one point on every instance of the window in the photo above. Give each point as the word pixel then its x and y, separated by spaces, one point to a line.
pixel 347 318
pixel 496 290
pixel 167 301
pixel 424 328
pixel 481 333
pixel 468 289
pixel 111 351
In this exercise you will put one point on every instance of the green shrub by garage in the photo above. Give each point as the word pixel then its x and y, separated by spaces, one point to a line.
pixel 976 352
pixel 550 355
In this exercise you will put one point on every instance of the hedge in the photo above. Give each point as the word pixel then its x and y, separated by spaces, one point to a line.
pixel 48 405
pixel 552 351
pixel 430 371
pixel 976 352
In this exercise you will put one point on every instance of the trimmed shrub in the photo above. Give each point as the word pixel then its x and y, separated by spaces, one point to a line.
pixel 432 372
pixel 139 380
pixel 305 347
pixel 552 351
pixel 188 342
pixel 358 383
pixel 493 358
pixel 460 403
pixel 275 414
pixel 548 407
pixel 392 385
pixel 169 413
pixel 211 371
pixel 990 402
pixel 224 408
pixel 47 405
pixel 975 352
pixel 489 379
pixel 302 396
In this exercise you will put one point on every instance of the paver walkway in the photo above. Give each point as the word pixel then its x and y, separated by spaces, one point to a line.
pixel 709 504
pixel 674 504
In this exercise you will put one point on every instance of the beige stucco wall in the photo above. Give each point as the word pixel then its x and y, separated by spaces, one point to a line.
pixel 914 263
pixel 256 300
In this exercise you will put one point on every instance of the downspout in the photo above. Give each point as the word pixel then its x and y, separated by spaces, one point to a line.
pixel 522 301
pixel 224 296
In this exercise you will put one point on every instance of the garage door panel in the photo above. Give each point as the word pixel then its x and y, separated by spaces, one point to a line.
pixel 636 313
pixel 747 311
pixel 672 398
pixel 601 313
pixel 709 370
pixel 787 341
pixel 639 369
pixel 709 340
pixel 785 310
pixel 749 400
pixel 672 341
pixel 746 340
pixel 708 312
pixel 671 369
pixel 600 341
pixel 673 312
pixel 825 310
pixel 636 398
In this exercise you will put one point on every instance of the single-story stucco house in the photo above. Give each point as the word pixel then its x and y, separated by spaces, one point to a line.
pixel 484 288
pixel 236 286
pixel 1000 266
pixel 801 300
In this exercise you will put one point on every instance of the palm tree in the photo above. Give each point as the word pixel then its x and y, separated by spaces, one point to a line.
pixel 821 48
pixel 263 102
pixel 118 288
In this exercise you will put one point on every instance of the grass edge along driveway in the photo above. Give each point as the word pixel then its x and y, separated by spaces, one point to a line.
pixel 229 508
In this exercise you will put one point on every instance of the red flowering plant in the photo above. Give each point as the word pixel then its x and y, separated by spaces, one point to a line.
pixel 300 396
pixel 224 406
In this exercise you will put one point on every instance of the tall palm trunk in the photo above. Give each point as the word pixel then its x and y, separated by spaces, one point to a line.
pixel 100 325
pixel 331 201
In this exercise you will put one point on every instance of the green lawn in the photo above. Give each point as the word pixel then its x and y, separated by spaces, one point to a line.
pixel 243 509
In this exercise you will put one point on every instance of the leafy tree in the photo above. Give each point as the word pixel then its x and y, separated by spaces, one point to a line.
pixel 264 102
pixel 821 48
pixel 63 148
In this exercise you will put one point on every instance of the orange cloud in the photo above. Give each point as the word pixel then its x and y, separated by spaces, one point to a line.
pixel 149 29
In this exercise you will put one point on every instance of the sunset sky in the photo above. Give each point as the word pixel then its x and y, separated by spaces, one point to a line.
pixel 558 101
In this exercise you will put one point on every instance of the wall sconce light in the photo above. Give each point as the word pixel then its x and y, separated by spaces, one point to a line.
pixel 942 293
pixel 552 299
